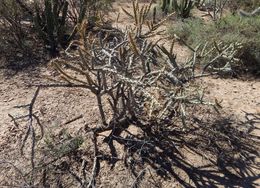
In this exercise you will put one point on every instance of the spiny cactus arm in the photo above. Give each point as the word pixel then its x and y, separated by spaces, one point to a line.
pixel 25 7
pixel 64 13
pixel 82 12
pixel 163 5
pixel 61 24
pixel 50 23
pixel 55 10
pixel 255 12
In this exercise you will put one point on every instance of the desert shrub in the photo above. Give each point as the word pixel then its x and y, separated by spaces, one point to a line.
pixel 14 31
pixel 188 30
pixel 245 5
pixel 232 4
pixel 52 22
pixel 229 30
pixel 56 21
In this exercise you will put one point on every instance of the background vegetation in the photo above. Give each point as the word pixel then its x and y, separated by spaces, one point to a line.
pixel 232 29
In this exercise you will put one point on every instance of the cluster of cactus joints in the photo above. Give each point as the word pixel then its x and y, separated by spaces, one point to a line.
pixel 181 7
pixel 166 6
pixel 199 3
pixel 51 24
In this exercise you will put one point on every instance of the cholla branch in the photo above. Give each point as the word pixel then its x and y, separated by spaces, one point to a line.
pixel 139 78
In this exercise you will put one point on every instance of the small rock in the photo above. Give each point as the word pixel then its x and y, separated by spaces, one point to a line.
pixel 8 100
pixel 19 55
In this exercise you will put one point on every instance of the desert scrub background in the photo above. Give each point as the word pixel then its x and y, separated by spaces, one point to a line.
pixel 228 30
pixel 248 5
pixel 30 26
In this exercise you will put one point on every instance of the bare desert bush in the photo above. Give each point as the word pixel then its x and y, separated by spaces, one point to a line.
pixel 30 26
pixel 14 30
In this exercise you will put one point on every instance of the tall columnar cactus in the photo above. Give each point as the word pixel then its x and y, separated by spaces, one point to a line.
pixel 51 23
pixel 181 7
pixel 165 5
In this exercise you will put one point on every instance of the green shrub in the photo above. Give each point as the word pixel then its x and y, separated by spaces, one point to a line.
pixel 248 5
pixel 229 30
pixel 188 30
